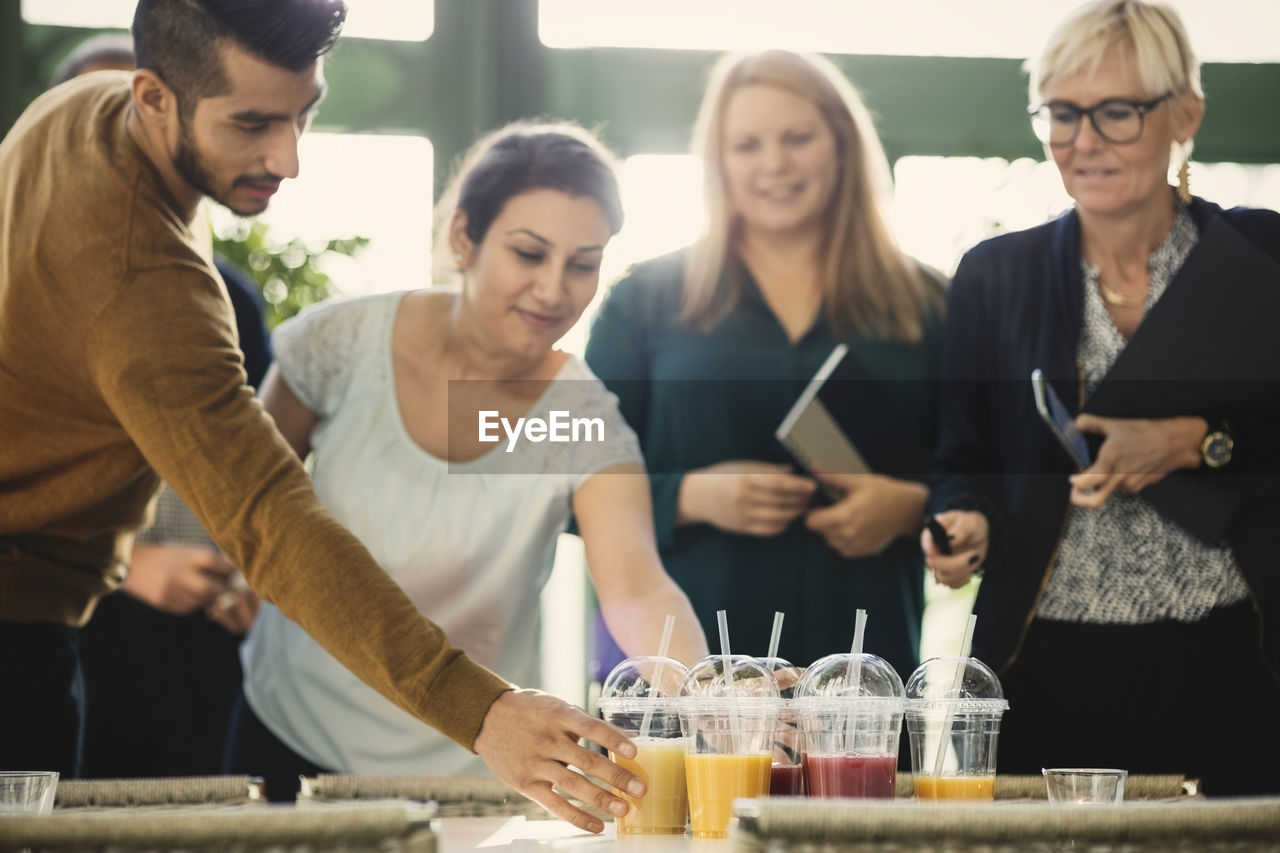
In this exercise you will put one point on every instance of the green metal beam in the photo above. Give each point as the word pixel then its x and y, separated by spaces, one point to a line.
pixel 11 32
pixel 484 66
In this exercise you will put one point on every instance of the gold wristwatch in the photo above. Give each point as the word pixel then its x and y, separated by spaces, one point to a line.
pixel 1215 449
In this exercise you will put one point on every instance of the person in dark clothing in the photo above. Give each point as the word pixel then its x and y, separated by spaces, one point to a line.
pixel 708 348
pixel 1126 606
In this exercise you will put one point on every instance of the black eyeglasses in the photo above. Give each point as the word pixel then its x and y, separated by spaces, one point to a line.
pixel 1118 121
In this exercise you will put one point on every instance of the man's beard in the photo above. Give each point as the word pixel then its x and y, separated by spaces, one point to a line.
pixel 189 164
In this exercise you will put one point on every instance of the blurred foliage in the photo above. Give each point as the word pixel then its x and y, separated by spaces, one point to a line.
pixel 287 274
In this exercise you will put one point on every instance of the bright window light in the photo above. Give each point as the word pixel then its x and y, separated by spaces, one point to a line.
pixel 1221 30
pixel 945 205
pixel 79 13
pixel 662 198
pixel 393 20
pixel 352 185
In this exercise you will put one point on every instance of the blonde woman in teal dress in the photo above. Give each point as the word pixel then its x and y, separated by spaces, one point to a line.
pixel 708 348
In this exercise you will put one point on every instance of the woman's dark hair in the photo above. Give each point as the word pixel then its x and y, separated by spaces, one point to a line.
pixel 517 159
pixel 180 39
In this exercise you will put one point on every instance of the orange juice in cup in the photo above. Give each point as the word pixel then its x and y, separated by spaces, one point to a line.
pixel 954 708
pixel 955 788
pixel 715 781
pixel 728 713
pixel 660 763
pixel 638 697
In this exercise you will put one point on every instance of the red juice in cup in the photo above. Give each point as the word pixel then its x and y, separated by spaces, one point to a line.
pixel 785 780
pixel 850 775
pixel 850 709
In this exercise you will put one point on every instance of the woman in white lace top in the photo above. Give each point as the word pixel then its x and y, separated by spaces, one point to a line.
pixel 411 403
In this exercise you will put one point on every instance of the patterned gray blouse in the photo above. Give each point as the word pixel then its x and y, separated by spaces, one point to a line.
pixel 1124 563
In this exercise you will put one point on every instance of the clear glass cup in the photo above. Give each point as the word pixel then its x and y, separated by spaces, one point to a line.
pixel 30 792
pixel 1085 785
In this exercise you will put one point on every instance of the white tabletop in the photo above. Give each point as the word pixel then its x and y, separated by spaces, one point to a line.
pixel 518 835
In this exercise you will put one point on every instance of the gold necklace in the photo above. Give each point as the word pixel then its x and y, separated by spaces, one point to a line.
pixel 1117 299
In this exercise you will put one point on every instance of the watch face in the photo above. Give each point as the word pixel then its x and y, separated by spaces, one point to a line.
pixel 1217 449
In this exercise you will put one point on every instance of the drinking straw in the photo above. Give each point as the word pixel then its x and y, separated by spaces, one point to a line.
pixel 723 620
pixel 776 636
pixel 663 645
pixel 859 629
pixel 855 673
pixel 965 646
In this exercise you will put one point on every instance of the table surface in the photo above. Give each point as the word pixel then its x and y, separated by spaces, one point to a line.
pixel 518 835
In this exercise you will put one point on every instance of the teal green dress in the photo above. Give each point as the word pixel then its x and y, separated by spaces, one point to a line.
pixel 697 398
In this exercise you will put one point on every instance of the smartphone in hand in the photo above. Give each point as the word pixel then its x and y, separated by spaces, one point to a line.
pixel 941 538
pixel 1059 420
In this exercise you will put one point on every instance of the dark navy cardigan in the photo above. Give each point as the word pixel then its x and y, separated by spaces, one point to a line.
pixel 1016 304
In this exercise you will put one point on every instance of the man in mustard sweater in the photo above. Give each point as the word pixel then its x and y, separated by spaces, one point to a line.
pixel 119 365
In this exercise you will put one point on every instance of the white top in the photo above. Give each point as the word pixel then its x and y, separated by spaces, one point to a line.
pixel 471 543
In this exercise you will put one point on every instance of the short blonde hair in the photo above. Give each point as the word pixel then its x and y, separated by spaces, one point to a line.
pixel 1154 32
pixel 871 287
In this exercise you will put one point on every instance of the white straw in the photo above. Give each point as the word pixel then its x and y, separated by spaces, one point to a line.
pixel 725 664
pixel 945 735
pixel 855 673
pixel 663 645
pixel 859 630
pixel 776 637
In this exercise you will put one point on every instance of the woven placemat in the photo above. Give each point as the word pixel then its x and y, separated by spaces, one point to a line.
pixel 854 826
pixel 243 829
pixel 177 791
pixel 456 796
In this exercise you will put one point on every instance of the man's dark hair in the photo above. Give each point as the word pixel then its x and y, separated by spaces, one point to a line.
pixel 521 158
pixel 180 39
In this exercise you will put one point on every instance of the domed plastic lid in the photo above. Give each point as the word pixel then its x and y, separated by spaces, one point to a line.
pixel 750 681
pixel 642 682
pixel 963 684
pixel 785 673
pixel 843 679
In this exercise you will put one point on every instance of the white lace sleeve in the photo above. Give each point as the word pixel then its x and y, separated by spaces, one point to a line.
pixel 316 350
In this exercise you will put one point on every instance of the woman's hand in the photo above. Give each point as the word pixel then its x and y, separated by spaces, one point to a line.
pixel 970 534
pixel 874 511
pixel 1135 453
pixel 181 579
pixel 177 578
pixel 744 496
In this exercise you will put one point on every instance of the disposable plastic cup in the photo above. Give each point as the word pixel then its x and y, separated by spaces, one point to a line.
pixel 642 691
pixel 30 792
pixel 850 709
pixel 1085 785
pixel 786 776
pixel 954 709
pixel 786 779
pixel 729 727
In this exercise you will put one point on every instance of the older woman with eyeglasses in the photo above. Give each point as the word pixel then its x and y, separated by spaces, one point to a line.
pixel 1129 606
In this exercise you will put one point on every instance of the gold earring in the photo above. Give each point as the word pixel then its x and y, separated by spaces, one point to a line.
pixel 1184 183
